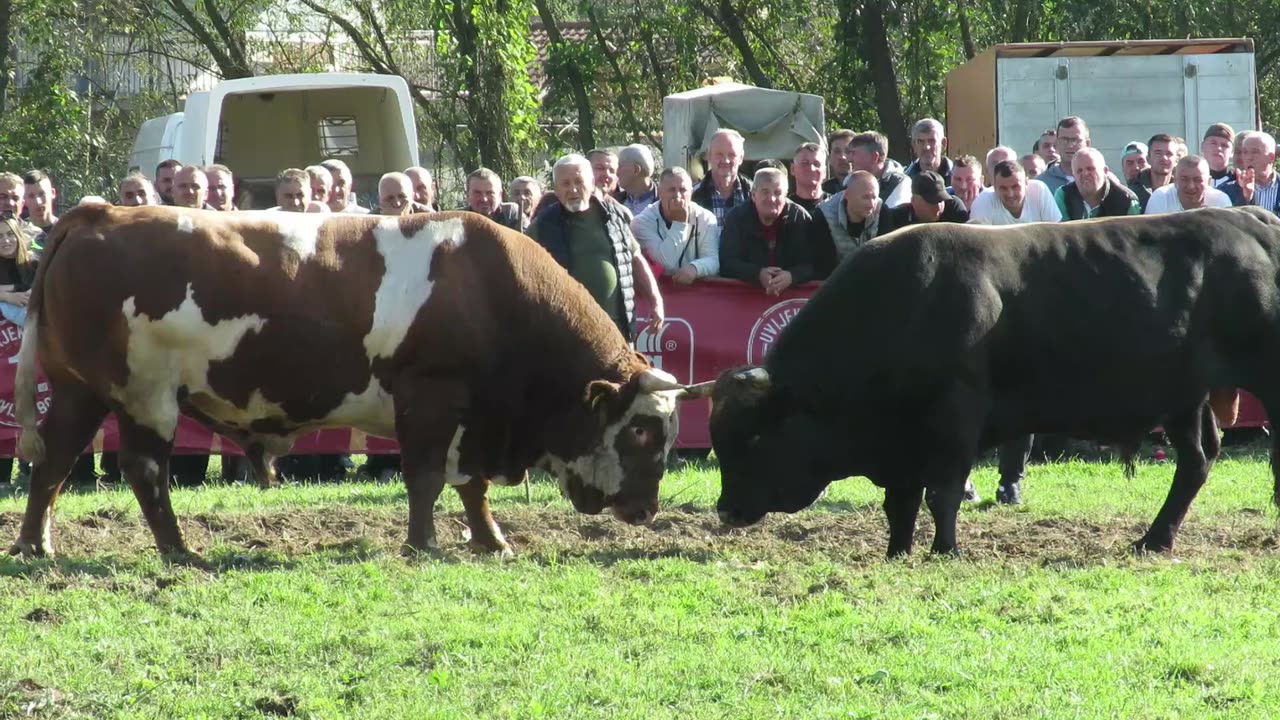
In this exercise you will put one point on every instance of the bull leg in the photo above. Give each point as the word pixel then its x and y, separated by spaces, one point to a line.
pixel 144 462
pixel 74 416
pixel 901 505
pixel 261 465
pixel 1196 453
pixel 944 504
pixel 427 417
pixel 485 534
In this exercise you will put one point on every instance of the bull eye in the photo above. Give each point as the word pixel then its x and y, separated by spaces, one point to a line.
pixel 641 435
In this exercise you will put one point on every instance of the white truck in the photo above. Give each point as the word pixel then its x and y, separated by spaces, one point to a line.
pixel 261 125
pixel 1125 90
pixel 773 122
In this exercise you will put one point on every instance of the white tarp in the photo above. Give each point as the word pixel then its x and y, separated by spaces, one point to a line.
pixel 774 122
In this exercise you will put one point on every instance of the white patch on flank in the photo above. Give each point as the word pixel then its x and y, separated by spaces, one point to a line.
pixel 371 410
pixel 301 231
pixel 186 224
pixel 404 287
pixel 451 474
pixel 167 353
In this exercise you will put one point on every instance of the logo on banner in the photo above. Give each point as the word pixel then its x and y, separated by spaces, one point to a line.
pixel 670 349
pixel 10 343
pixel 769 326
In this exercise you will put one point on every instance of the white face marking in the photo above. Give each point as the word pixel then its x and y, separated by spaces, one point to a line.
pixel 300 231
pixel 602 469
pixel 404 288
pixel 451 474
pixel 170 352
pixel 186 224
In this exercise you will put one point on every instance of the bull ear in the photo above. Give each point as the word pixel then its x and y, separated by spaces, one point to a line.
pixel 694 392
pixel 600 394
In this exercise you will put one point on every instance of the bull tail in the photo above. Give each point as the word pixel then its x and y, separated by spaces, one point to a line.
pixel 30 445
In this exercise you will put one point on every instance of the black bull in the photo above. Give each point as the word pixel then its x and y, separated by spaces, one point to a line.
pixel 956 338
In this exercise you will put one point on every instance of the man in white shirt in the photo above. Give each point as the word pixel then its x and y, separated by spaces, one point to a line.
pixel 1190 189
pixel 677 232
pixel 1013 199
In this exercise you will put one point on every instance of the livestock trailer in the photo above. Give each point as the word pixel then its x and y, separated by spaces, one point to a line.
pixel 1125 90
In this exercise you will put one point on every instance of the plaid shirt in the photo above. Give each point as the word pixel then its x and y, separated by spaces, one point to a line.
pixel 721 205
pixel 636 204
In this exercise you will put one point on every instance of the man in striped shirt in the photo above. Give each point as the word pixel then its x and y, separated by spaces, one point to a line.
pixel 1256 183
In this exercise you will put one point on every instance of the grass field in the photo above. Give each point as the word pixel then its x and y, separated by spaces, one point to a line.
pixel 308 609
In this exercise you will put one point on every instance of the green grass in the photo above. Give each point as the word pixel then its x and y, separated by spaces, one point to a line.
pixel 309 610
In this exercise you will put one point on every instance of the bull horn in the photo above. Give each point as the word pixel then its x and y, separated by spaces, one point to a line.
pixel 655 380
pixel 693 392
pixel 755 375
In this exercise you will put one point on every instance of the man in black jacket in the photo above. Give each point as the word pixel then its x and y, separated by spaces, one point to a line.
pixel 771 241
pixel 484 196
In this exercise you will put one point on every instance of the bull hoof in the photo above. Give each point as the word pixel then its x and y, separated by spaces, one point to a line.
pixel 27 549
pixel 1148 545
pixel 186 558
pixel 430 549
pixel 502 551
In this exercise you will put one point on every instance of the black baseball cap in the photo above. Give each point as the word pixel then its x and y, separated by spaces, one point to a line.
pixel 930 186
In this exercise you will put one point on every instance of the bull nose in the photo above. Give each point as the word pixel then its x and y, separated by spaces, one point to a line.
pixel 726 517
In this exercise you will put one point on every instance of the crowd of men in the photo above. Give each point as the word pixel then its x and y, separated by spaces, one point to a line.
pixel 617 222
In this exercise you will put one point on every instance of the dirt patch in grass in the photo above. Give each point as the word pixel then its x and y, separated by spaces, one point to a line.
pixel 846 535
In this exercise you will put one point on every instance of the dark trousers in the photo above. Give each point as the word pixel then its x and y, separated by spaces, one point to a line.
pixel 1014 455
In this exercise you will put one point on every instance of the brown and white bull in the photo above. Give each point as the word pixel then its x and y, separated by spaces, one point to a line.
pixel 463 340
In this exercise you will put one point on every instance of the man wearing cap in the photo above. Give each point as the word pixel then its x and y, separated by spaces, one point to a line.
pixel 1133 160
pixel 1215 148
pixel 1092 193
pixel 930 202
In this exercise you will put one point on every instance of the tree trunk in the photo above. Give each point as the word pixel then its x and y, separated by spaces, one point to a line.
pixel 638 131
pixel 880 64
pixel 966 36
pixel 6 46
pixel 572 74
pixel 726 16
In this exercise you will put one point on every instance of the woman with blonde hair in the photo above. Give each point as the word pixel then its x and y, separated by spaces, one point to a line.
pixel 17 271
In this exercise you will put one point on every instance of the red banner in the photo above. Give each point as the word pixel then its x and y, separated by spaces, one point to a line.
pixel 711 326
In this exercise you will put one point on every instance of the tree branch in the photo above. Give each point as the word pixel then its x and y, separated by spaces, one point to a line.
pixel 366 51
pixel 572 73
pixel 234 46
pixel 191 23
pixel 966 36
pixel 628 105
